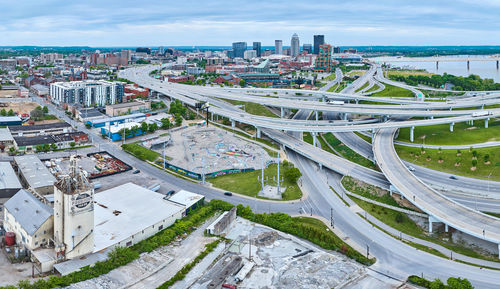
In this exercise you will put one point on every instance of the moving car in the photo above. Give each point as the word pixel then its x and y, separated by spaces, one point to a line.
pixel 136 172
pixel 228 193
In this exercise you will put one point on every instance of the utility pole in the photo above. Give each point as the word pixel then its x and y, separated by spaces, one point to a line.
pixel 278 176
pixel 367 251
pixel 263 164
pixel 203 170
pixel 163 155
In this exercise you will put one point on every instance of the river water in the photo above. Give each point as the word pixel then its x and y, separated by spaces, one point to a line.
pixel 485 69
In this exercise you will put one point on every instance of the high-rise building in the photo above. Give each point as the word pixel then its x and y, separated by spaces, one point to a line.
pixel 295 45
pixel 336 49
pixel 161 50
pixel 249 54
pixel 308 48
pixel 324 60
pixel 318 40
pixel 258 48
pixel 239 49
pixel 86 93
pixel 278 47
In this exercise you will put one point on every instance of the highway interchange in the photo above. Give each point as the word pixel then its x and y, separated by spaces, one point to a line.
pixel 393 257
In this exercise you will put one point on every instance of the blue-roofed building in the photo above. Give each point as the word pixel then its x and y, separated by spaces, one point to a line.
pixel 10 120
pixel 30 219
pixel 102 122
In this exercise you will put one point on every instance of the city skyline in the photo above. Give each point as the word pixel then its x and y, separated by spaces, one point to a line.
pixel 123 23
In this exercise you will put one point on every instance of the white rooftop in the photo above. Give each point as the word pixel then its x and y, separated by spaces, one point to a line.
pixel 139 208
pixel 5 135
pixel 117 127
pixel 8 178
pixel 186 198
pixel 34 171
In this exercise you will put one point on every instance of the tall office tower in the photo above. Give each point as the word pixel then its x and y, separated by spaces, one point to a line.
pixel 324 60
pixel 278 47
pixel 295 45
pixel 318 40
pixel 257 48
pixel 161 50
pixel 308 48
pixel 336 49
pixel 239 49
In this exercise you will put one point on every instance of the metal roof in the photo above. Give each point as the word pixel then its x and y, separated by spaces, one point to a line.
pixel 34 171
pixel 28 211
pixel 55 125
pixel 186 198
pixel 8 178
pixel 138 208
pixel 118 118
pixel 5 135
pixel 9 118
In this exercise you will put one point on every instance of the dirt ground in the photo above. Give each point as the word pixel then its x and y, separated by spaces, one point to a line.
pixel 8 93
pixel 19 107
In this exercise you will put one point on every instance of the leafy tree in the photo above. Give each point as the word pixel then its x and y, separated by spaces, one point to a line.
pixel 459 283
pixel 46 147
pixel 72 144
pixel 152 127
pixel 437 284
pixel 292 174
pixel 3 112
pixel 144 126
pixel 178 119
pixel 165 123
pixel 474 163
pixel 486 158
pixel 242 82
pixel 45 109
pixel 10 113
pixel 53 146
pixel 474 153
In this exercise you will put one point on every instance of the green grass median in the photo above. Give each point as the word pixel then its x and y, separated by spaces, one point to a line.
pixel 394 91
pixel 462 134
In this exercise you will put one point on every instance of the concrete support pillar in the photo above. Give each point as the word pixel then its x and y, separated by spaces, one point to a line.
pixel 258 133
pixel 320 166
pixel 498 244
pixel 446 228
pixel 357 101
pixel 315 140
pixel 385 118
pixel 486 122
pixel 451 126
pixel 412 130
pixel 430 224
pixel 344 116
pixel 431 117
pixel 437 64
pixel 498 66
pixel 212 117
pixel 233 123
pixel 282 112
pixel 316 114
pixel 468 65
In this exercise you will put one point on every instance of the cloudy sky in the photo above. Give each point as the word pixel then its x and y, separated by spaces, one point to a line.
pixel 216 22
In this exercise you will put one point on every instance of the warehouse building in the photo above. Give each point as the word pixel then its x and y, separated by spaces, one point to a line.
pixel 128 107
pixel 10 120
pixel 189 200
pixel 6 138
pixel 30 219
pixel 86 93
pixel 9 183
pixel 102 122
pixel 34 174
pixel 113 132
pixel 40 129
pixel 129 213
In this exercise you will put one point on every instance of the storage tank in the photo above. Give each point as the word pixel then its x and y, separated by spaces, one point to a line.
pixel 10 238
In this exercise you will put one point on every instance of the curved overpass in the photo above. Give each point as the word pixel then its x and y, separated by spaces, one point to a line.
pixel 439 207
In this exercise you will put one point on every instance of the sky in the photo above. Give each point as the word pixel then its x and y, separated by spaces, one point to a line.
pixel 107 23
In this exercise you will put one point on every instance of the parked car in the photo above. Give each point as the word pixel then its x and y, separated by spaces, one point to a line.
pixel 171 192
pixel 453 177
pixel 136 172
pixel 228 193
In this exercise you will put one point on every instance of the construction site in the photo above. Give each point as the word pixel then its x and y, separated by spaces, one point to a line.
pixel 211 149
